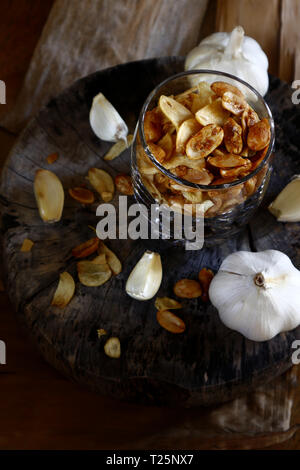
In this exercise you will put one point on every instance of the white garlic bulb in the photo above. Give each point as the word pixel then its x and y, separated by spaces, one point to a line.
pixel 105 120
pixel 257 294
pixel 145 278
pixel 286 207
pixel 233 53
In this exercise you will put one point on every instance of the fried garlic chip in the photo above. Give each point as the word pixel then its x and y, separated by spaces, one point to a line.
pixel 112 260
pixel 93 274
pixel 102 182
pixel 64 291
pixel 118 148
pixel 165 303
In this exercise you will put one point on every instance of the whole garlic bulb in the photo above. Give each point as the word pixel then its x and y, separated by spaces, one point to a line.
pixel 233 53
pixel 257 294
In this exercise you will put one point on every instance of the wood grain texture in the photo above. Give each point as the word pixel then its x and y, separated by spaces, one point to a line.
pixel 207 364
pixel 82 37
pixel 252 14
pixel 21 23
pixel 289 38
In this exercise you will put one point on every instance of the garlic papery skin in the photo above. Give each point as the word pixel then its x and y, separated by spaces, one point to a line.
pixel 233 53
pixel 257 294
pixel 105 120
pixel 286 207
pixel 49 195
pixel 145 278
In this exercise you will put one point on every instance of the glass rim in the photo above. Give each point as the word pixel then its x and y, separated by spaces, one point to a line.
pixel 182 181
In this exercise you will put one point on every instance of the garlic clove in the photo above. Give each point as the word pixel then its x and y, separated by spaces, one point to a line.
pixel 105 120
pixel 145 278
pixel 286 207
pixel 49 194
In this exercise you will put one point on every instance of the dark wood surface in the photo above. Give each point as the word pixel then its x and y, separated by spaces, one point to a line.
pixel 39 408
pixel 208 363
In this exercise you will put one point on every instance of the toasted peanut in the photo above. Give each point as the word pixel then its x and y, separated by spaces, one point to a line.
pixel 166 143
pixel 152 126
pixel 187 289
pixel 215 208
pixel 228 160
pixel 240 171
pixel 248 153
pixel 158 153
pixel 85 249
pixel 234 103
pixel 213 113
pixel 219 88
pixel 248 119
pixel 85 196
pixel 250 185
pixel 198 176
pixel 193 197
pixel 124 184
pixel 183 160
pixel 259 135
pixel 205 277
pixel 180 171
pixel 233 136
pixel 186 99
pixel 176 112
pixel 258 158
pixel 204 142
pixel 186 130
pixel 170 322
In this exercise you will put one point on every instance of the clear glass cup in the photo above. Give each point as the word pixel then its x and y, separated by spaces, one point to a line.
pixel 235 202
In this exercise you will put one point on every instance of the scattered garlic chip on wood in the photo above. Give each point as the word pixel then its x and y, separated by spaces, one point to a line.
pixel 93 274
pixel 27 245
pixel 102 182
pixel 82 195
pixel 112 260
pixel 65 290
pixel 49 194
pixel 101 332
pixel 85 249
pixel 145 278
pixel 165 303
pixel 105 120
pixel 286 207
pixel 118 148
pixel 112 347
pixel 52 158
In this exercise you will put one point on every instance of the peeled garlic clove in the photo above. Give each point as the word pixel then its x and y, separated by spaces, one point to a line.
pixel 105 120
pixel 286 207
pixel 145 278
pixel 49 195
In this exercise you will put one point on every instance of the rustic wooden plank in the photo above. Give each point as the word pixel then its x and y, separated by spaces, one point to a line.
pixel 100 33
pixel 208 364
pixel 289 38
pixel 251 14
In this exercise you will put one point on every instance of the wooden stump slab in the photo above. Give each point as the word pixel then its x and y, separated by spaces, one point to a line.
pixel 208 363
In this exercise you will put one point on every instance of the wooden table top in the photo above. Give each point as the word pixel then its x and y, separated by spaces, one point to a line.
pixel 39 408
